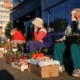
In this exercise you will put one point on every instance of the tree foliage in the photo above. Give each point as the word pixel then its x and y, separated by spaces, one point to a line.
pixel 60 24
pixel 7 30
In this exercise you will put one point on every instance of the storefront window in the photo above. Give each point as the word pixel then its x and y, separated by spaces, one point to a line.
pixel 49 3
pixel 29 29
pixel 52 9
pixel 48 10
pixel 44 16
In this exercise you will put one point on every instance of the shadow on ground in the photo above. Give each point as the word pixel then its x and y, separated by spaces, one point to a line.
pixel 5 75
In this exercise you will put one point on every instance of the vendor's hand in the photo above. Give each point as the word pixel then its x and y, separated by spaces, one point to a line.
pixel 41 41
pixel 35 28
pixel 58 40
pixel 11 33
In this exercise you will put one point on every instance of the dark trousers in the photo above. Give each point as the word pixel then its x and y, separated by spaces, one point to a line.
pixel 75 54
pixel 59 49
pixel 33 45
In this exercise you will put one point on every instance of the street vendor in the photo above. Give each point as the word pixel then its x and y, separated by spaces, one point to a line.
pixel 75 48
pixel 17 37
pixel 59 47
pixel 41 37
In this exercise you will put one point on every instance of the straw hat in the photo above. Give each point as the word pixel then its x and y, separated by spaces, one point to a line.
pixel 38 22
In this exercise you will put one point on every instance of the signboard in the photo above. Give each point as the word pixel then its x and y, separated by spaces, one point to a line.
pixel 7 4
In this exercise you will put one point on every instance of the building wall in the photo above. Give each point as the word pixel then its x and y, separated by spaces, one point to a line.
pixel 25 9
pixel 4 16
pixel 22 15
pixel 16 2
pixel 51 9
pixel 58 9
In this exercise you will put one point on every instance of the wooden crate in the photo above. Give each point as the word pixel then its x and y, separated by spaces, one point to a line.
pixel 20 67
pixel 9 58
pixel 12 57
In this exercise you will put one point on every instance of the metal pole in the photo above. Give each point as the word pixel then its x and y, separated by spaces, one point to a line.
pixel 48 24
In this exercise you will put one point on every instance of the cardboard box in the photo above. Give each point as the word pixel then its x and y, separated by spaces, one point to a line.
pixel 22 67
pixel 44 71
pixel 1 52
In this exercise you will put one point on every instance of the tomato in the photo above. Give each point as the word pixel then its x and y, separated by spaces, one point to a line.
pixel 34 55
pixel 41 54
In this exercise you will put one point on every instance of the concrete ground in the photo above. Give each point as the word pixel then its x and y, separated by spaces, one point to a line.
pixel 9 73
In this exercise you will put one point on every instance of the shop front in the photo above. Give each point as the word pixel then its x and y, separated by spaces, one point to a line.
pixel 52 9
pixel 49 10
pixel 22 15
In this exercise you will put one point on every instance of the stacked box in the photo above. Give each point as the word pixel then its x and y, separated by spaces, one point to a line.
pixel 45 72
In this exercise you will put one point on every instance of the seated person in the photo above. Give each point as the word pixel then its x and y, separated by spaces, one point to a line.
pixel 41 37
pixel 75 48
pixel 17 37
pixel 59 47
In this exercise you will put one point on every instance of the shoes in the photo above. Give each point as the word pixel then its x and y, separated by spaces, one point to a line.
pixel 61 69
pixel 76 73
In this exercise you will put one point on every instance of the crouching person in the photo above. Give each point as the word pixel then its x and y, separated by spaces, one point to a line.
pixel 41 37
pixel 17 38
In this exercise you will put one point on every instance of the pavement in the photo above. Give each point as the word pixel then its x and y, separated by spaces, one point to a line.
pixel 9 73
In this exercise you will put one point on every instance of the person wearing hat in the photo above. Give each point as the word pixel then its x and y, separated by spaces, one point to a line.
pixel 41 37
pixel 60 47
pixel 75 48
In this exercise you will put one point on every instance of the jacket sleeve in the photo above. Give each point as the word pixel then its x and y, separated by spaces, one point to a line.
pixel 13 38
pixel 17 35
pixel 39 36
pixel 35 35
